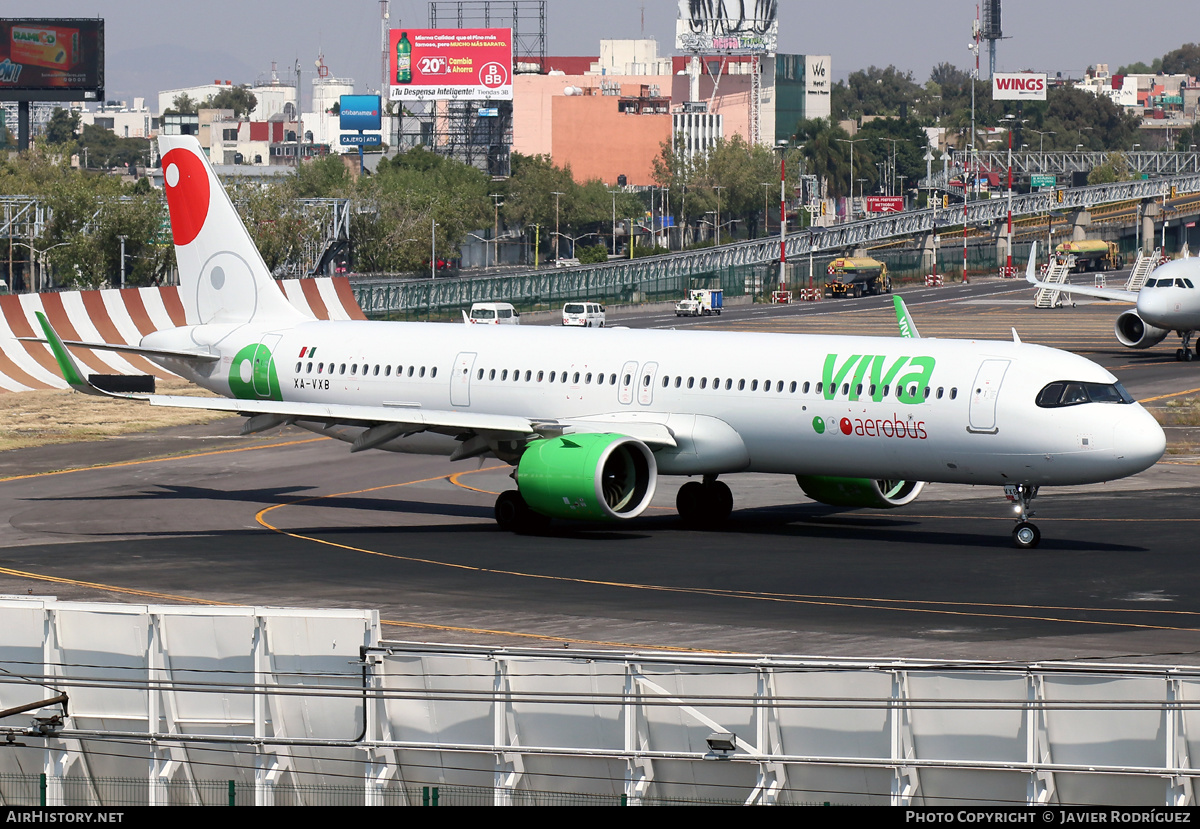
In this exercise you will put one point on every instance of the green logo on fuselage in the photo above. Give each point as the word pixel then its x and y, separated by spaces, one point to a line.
pixel 909 373
pixel 252 374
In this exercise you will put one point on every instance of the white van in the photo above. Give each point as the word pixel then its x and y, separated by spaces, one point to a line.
pixel 492 313
pixel 583 314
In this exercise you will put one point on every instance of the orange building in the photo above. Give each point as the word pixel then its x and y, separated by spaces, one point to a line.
pixel 606 136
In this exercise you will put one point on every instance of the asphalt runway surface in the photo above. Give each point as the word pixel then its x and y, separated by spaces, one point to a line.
pixel 291 519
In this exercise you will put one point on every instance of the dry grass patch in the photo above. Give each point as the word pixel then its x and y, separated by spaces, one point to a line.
pixel 38 418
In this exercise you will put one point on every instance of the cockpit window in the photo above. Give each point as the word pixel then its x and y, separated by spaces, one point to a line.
pixel 1069 393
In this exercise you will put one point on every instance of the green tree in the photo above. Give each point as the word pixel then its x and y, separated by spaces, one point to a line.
pixel 1182 61
pixel 181 104
pixel 106 151
pixel 1115 168
pixel 874 91
pixel 238 98
pixel 62 126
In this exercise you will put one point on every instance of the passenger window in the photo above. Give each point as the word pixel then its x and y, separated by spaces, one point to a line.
pixel 480 374
pixel 953 394
pixel 422 371
pixel 845 388
pixel 753 385
pixel 939 392
pixel 741 385
pixel 691 382
pixel 703 382
pixel 678 382
pixel 433 372
pixel 728 384
pixel 309 368
pixel 666 381
pixel 792 388
pixel 387 372
pixel 354 369
pixel 806 387
pixel 541 375
pixel 298 367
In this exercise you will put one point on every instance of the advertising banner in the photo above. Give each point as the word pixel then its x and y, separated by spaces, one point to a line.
pixel 885 204
pixel 1019 86
pixel 731 27
pixel 451 64
pixel 360 112
pixel 52 54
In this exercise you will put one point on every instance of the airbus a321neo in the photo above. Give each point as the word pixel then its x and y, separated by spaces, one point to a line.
pixel 1169 301
pixel 590 419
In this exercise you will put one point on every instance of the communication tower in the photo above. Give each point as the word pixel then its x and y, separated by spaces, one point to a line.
pixel 990 31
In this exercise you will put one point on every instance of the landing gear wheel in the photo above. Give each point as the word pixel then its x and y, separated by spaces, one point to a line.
pixel 1178 354
pixel 514 515
pixel 1026 535
pixel 690 503
pixel 704 505
pixel 719 500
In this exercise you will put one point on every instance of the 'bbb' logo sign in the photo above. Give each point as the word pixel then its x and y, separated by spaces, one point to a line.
pixel 493 75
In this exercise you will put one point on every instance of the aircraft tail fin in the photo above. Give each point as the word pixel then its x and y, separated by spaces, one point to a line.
pixel 908 328
pixel 222 277
pixel 1031 268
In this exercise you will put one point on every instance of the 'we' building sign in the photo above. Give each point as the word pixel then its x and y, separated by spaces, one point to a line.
pixel 1019 86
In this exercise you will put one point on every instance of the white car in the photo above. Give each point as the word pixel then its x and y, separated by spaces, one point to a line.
pixel 492 313
pixel 583 314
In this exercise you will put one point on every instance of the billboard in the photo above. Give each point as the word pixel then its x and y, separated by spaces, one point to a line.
pixel 51 59
pixel 360 112
pixel 885 204
pixel 1019 86
pixel 729 27
pixel 450 64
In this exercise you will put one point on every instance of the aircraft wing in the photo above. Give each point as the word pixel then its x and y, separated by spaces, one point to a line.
pixel 1068 288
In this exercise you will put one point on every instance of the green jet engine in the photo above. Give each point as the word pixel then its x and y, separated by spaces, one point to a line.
pixel 588 477
pixel 859 492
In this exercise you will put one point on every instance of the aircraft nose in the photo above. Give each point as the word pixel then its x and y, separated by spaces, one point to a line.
pixel 1138 440
pixel 1155 305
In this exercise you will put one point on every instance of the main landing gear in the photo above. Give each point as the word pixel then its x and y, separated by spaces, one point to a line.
pixel 1025 535
pixel 1185 353
pixel 514 515
pixel 704 505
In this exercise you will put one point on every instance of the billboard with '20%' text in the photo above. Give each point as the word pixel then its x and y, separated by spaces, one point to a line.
pixel 451 64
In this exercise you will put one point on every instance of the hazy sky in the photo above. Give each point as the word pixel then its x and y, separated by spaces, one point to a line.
pixel 170 44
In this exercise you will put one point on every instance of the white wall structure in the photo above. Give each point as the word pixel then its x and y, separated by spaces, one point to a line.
pixel 304 707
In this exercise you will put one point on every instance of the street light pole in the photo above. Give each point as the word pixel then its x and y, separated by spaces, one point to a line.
pixel 613 193
pixel 496 232
pixel 718 188
pixel 556 195
pixel 851 142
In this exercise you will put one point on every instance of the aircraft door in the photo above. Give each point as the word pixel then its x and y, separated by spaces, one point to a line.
pixel 460 380
pixel 264 366
pixel 628 380
pixel 984 394
pixel 645 383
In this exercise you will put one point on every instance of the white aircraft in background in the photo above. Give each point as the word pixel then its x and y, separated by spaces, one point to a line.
pixel 589 419
pixel 1169 301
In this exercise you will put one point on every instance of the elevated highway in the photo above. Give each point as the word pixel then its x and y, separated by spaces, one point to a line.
pixel 666 273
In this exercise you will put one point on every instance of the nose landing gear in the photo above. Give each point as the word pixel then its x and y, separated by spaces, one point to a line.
pixel 1025 535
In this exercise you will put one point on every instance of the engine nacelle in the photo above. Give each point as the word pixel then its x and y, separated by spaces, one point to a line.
pixel 1135 332
pixel 588 477
pixel 859 492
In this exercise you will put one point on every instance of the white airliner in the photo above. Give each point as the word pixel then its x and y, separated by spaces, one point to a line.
pixel 589 419
pixel 1169 301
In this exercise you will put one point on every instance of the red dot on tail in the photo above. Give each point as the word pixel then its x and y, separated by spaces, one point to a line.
pixel 186 183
